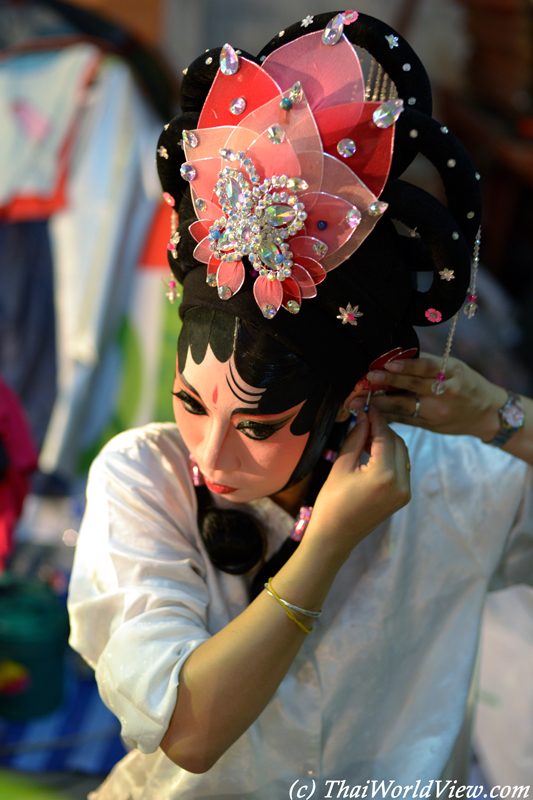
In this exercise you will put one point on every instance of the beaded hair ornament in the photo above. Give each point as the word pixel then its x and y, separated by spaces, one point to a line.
pixel 294 160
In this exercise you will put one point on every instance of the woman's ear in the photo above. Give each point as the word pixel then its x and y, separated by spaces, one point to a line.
pixel 344 411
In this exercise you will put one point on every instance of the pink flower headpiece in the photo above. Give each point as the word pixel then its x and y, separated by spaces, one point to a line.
pixel 286 167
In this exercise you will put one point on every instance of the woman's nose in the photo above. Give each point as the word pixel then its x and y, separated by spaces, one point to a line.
pixel 219 448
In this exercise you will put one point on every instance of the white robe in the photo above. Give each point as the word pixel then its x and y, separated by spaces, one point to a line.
pixel 377 692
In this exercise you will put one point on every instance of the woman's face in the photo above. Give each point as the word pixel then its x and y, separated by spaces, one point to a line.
pixel 240 453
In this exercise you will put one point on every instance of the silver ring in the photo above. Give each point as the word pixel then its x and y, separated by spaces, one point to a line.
pixel 416 412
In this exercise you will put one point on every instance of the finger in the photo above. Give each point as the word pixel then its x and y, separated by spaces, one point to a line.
pixel 381 438
pixel 354 445
pixel 405 382
pixel 401 405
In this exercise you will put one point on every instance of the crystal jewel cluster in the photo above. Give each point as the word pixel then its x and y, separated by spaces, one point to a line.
pixel 259 216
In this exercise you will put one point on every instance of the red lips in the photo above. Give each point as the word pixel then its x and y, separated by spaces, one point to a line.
pixel 219 488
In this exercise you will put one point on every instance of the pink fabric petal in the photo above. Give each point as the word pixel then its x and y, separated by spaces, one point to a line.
pixel 250 82
pixel 210 140
pixel 200 229
pixel 372 158
pixel 290 291
pixel 340 180
pixel 329 75
pixel 207 170
pixel 331 209
pixel 304 246
pixel 301 135
pixel 213 265
pixel 202 251
pixel 268 293
pixel 212 211
pixel 305 282
pixel 315 270
pixel 338 123
pixel 231 274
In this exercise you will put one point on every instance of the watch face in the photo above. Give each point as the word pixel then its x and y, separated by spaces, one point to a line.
pixel 513 416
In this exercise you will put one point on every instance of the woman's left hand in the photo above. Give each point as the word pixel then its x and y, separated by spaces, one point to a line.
pixel 469 405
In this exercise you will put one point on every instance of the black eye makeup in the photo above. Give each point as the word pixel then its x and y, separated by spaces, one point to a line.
pixel 258 430
pixel 253 429
pixel 189 403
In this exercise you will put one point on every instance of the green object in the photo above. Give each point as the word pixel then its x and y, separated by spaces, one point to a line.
pixel 33 639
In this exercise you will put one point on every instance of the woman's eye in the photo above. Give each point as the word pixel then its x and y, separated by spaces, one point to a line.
pixel 189 403
pixel 258 431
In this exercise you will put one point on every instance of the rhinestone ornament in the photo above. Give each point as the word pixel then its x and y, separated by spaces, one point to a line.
pixel 377 208
pixel 268 311
pixel 451 163
pixel 238 105
pixel 412 101
pixel 353 217
pixel 320 248
pixel 349 16
pixel 200 204
pixel 229 60
pixel 439 387
pixel 172 291
pixel 307 21
pixel 224 292
pixel 187 172
pixel 293 306
pixel 276 134
pixel 190 138
pixel 406 68
pixel 433 315
pixel 209 60
pixel 296 93
pixel 162 152
pixel 387 113
pixel 346 148
pixel 447 275
pixel 349 315
pixel 471 307
pixel 333 30
pixel 413 134
pixel 392 41
pixel 211 279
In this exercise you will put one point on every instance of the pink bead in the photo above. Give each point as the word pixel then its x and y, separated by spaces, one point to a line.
pixel 441 377
pixel 171 246
pixel 472 298
pixel 350 317
pixel 169 199
pixel 172 284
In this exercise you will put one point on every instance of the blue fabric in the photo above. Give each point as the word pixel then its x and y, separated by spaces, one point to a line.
pixel 27 322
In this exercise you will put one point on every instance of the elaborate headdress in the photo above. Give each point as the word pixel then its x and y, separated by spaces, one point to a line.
pixel 284 170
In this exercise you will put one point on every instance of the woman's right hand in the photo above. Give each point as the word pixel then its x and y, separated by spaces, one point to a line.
pixel 359 496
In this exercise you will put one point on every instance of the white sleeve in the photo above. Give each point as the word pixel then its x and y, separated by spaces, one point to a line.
pixel 516 564
pixel 138 598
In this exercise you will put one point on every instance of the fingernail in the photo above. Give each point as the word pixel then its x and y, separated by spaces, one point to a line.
pixel 394 366
pixel 377 377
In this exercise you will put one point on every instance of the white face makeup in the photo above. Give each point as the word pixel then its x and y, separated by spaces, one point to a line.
pixel 240 453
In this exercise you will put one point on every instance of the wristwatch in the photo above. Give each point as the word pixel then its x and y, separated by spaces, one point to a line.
pixel 512 418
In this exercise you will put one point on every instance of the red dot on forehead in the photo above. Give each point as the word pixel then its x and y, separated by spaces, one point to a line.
pixel 215 395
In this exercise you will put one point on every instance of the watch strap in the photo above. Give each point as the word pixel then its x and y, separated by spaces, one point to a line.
pixel 507 430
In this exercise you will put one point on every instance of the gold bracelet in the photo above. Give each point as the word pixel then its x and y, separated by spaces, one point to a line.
pixel 289 613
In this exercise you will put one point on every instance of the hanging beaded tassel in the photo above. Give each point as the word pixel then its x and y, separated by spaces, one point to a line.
pixel 470 310
pixel 172 287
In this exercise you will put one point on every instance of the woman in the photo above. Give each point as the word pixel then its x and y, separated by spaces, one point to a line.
pixel 299 297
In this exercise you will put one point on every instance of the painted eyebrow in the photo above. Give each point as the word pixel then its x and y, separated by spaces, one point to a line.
pixel 190 388
pixel 249 413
